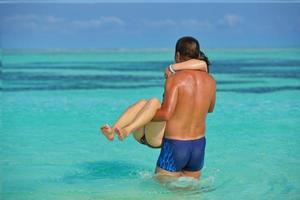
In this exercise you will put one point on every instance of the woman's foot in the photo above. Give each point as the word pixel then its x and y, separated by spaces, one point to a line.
pixel 122 133
pixel 108 132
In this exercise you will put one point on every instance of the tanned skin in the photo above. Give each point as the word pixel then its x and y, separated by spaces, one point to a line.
pixel 189 96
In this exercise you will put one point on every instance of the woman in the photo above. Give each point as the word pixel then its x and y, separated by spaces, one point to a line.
pixel 137 118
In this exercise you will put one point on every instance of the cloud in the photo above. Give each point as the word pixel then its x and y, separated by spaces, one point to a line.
pixel 179 24
pixel 32 18
pixel 228 21
pixel 17 18
pixel 160 23
pixel 201 24
pixel 97 23
pixel 32 22
pixel 40 23
pixel 231 20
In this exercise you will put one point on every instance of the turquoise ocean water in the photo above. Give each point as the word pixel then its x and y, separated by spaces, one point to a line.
pixel 53 102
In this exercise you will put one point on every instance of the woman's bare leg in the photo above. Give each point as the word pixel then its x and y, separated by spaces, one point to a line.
pixel 126 118
pixel 143 117
pixel 129 115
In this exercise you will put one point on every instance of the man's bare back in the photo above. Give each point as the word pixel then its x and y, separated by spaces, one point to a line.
pixel 195 98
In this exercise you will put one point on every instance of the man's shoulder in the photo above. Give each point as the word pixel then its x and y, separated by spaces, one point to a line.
pixel 210 77
pixel 196 73
pixel 182 74
pixel 179 76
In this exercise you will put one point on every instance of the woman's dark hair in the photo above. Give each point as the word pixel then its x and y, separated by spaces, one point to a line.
pixel 203 57
pixel 189 48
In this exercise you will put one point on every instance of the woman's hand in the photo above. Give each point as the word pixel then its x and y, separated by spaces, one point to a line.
pixel 168 73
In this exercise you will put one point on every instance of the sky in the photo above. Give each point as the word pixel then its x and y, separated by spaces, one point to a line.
pixel 94 24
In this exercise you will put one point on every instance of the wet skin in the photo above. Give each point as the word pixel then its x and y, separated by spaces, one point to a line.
pixel 189 96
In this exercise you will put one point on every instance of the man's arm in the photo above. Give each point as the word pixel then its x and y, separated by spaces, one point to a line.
pixel 213 99
pixel 169 102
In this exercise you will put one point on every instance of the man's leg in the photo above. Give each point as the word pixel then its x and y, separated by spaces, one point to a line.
pixel 126 118
pixel 193 174
pixel 163 172
pixel 165 177
pixel 160 171
pixel 143 117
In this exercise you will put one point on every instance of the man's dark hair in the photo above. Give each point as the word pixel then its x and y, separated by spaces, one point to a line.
pixel 189 48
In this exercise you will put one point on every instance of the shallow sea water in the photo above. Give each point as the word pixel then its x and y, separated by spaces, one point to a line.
pixel 53 102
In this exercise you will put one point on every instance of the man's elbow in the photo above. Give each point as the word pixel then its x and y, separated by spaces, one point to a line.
pixel 161 116
pixel 210 110
pixel 211 107
pixel 166 116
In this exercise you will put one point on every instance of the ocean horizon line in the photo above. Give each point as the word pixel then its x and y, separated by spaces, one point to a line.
pixel 108 50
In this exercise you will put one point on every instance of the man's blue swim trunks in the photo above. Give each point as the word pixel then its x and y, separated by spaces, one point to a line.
pixel 179 155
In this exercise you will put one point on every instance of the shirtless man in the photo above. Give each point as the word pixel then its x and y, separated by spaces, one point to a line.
pixel 189 96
